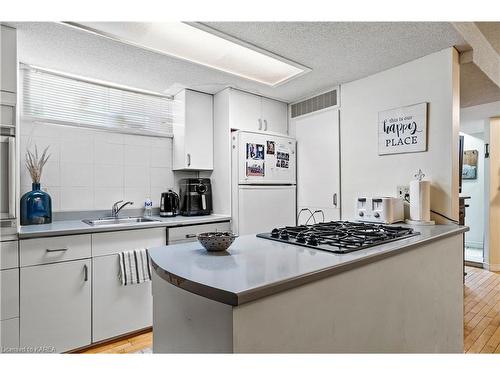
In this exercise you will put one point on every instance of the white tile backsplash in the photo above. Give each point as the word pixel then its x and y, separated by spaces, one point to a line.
pixel 91 169
pixel 77 174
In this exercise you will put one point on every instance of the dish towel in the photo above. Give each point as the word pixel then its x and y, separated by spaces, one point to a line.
pixel 134 267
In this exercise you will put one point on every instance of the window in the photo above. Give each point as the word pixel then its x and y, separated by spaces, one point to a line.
pixel 61 99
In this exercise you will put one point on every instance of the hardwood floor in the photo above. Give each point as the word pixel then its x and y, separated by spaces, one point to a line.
pixel 481 318
pixel 481 311
pixel 128 345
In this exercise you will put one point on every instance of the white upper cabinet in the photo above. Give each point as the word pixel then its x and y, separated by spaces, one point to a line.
pixel 8 63
pixel 193 131
pixel 256 113
pixel 275 116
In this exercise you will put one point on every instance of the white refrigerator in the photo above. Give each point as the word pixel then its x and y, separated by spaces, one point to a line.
pixel 263 179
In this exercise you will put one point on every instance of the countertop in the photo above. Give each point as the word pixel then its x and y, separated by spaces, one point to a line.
pixel 66 227
pixel 254 267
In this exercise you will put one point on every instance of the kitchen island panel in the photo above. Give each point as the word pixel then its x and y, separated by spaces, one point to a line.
pixel 408 303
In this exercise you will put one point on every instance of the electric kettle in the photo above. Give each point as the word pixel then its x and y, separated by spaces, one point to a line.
pixel 169 204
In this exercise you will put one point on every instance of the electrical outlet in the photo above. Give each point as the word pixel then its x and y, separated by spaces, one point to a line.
pixel 404 192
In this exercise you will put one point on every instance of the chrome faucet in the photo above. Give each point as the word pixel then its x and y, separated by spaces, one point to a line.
pixel 115 209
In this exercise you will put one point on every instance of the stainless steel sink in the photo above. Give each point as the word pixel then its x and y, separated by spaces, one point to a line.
pixel 117 220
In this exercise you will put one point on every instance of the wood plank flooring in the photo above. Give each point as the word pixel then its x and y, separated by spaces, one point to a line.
pixel 481 311
pixel 481 318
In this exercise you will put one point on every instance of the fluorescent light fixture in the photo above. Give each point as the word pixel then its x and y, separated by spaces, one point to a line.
pixel 203 45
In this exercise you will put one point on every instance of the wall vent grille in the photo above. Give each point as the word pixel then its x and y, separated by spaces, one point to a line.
pixel 316 103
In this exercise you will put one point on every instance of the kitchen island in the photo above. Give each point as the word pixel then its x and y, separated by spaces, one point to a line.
pixel 263 296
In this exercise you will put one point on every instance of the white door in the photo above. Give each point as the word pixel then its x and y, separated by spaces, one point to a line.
pixel 318 164
pixel 275 116
pixel 117 309
pixel 245 111
pixel 55 305
pixel 264 159
pixel 262 208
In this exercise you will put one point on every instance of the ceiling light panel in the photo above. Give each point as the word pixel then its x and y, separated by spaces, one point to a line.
pixel 203 46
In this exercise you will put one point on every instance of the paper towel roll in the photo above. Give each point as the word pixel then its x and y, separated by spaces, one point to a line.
pixel 420 200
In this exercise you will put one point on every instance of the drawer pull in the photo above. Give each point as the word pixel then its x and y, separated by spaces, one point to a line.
pixel 85 273
pixel 56 250
pixel 191 236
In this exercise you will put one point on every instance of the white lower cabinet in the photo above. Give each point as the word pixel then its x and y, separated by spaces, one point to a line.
pixel 117 309
pixel 9 335
pixel 55 305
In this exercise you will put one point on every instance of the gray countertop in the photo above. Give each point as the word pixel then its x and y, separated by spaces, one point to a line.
pixel 66 227
pixel 253 267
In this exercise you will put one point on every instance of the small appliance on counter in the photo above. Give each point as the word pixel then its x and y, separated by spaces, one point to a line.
pixel 195 196
pixel 169 204
pixel 386 210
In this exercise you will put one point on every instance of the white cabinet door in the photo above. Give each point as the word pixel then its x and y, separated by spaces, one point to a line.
pixel 9 335
pixel 8 78
pixel 193 131
pixel 55 305
pixel 9 294
pixel 318 164
pixel 275 116
pixel 199 131
pixel 245 111
pixel 117 309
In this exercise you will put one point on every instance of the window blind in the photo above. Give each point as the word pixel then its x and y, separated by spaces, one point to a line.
pixel 55 98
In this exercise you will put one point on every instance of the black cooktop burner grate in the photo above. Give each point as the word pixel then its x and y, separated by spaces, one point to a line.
pixel 339 236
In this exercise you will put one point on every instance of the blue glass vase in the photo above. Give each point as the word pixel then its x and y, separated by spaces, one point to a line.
pixel 36 207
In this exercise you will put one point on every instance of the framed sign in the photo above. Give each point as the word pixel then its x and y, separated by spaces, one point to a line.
pixel 403 130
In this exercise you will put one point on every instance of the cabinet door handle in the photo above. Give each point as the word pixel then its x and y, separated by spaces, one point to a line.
pixel 189 159
pixel 335 199
pixel 260 124
pixel 191 236
pixel 56 250
pixel 85 273
pixel 265 125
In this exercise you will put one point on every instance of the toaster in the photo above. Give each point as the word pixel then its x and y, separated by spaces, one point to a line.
pixel 385 210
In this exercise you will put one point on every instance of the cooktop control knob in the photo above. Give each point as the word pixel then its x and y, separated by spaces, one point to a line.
pixel 284 234
pixel 312 240
pixel 376 214
pixel 361 214
pixel 275 233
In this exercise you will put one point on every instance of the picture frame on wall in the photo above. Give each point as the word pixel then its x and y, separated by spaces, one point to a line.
pixel 469 168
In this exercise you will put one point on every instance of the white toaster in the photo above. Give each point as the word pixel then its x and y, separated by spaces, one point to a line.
pixel 386 210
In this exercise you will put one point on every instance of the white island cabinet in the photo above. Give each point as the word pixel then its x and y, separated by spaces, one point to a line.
pixel 118 309
pixel 193 131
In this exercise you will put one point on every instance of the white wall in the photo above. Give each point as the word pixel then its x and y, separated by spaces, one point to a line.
pixel 89 169
pixel 433 79
pixel 474 217
pixel 472 119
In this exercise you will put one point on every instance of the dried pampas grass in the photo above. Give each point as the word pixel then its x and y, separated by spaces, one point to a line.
pixel 36 162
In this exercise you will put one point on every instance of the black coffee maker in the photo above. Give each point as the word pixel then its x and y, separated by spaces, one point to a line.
pixel 169 204
pixel 196 196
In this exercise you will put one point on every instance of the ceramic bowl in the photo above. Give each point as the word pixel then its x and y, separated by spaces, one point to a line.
pixel 216 241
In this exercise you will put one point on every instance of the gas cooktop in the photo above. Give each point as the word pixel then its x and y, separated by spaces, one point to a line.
pixel 339 236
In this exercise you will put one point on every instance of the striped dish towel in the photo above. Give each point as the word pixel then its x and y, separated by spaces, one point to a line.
pixel 134 267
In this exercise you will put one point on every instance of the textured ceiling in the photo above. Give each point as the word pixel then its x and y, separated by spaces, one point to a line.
pixel 338 52
pixel 491 30
pixel 475 87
